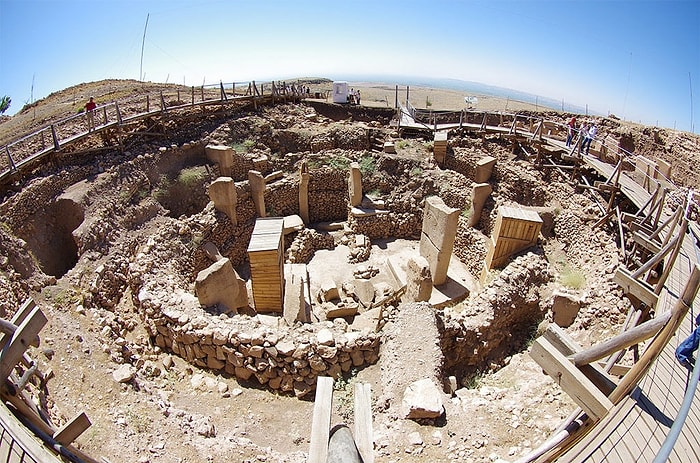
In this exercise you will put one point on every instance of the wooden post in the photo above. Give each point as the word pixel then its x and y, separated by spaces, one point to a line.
pixel 223 93
pixel 148 103
pixel 320 424
pixel 24 336
pixel 396 97
pixel 162 102
pixel 119 114
pixel 9 158
pixel 193 95
pixel 56 144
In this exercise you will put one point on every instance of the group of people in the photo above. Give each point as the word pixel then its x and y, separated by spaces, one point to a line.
pixel 354 96
pixel 586 132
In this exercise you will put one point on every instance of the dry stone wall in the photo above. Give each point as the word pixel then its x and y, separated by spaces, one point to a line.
pixel 499 320
pixel 328 195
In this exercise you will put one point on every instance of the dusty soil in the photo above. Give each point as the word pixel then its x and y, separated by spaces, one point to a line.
pixel 175 412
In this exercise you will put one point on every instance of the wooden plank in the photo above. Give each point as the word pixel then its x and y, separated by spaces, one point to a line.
pixel 321 422
pixel 638 289
pixel 616 369
pixel 25 334
pixel 70 431
pixel 570 379
pixel 646 243
pixel 363 422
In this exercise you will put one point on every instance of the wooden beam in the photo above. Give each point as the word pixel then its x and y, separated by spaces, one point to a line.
pixel 679 311
pixel 72 429
pixel 646 243
pixel 25 334
pixel 363 422
pixel 616 369
pixel 639 289
pixel 622 341
pixel 320 424
pixel 570 379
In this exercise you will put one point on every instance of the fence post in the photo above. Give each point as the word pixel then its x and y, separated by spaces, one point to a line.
pixel 104 112
pixel 148 103
pixel 56 145
pixel 9 158
pixel 119 114
pixel 233 85
pixel 193 95
pixel 223 93
pixel 162 102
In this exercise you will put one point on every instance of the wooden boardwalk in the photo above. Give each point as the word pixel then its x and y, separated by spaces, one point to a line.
pixel 635 429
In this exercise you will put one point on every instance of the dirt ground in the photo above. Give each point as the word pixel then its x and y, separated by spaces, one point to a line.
pixel 175 412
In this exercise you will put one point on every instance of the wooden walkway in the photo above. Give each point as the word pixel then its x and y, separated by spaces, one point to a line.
pixel 635 429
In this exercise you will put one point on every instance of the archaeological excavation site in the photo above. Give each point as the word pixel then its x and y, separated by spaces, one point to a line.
pixel 255 273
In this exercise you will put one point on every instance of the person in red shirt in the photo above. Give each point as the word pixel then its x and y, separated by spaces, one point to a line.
pixel 90 112
pixel 571 130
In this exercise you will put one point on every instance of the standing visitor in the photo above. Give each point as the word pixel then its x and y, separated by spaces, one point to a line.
pixel 571 130
pixel 90 112
pixel 590 135
pixel 582 135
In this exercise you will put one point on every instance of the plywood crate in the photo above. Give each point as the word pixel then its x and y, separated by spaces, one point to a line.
pixel 515 229
pixel 266 255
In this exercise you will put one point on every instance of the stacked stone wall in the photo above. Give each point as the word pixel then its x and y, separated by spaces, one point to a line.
pixel 286 361
pixel 328 195
pixel 499 321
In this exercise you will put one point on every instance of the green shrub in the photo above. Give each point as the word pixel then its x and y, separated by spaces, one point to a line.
pixel 191 177
pixel 367 165
pixel 572 278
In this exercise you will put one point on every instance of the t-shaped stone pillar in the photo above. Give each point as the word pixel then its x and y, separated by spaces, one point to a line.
pixel 480 193
pixel 484 168
pixel 257 191
pixel 222 192
pixel 222 155
pixel 438 236
pixel 355 185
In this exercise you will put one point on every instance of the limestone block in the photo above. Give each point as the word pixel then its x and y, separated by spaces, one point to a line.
pixel 439 261
pixel 292 223
pixel 295 307
pixel 389 147
pixel 419 285
pixel 565 308
pixel 422 399
pixel 328 290
pixel 223 156
pixel 440 222
pixel 355 184
pixel 438 236
pixel 484 169
pixel 480 193
pixel 220 284
pixel 342 310
pixel 364 291
pixel 257 192
pixel 222 192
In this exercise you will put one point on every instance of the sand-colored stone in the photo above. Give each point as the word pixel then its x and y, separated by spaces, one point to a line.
pixel 220 284
pixel 480 193
pixel 355 184
pixel 438 236
pixel 223 156
pixel 222 192
pixel 484 169
pixel 257 191
pixel 419 284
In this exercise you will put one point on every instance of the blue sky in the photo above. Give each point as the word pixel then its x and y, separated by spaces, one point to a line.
pixel 637 59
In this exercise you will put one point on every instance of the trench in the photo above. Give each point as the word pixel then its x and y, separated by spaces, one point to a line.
pixel 51 239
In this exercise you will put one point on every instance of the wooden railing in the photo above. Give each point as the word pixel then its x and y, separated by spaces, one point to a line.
pixel 61 133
